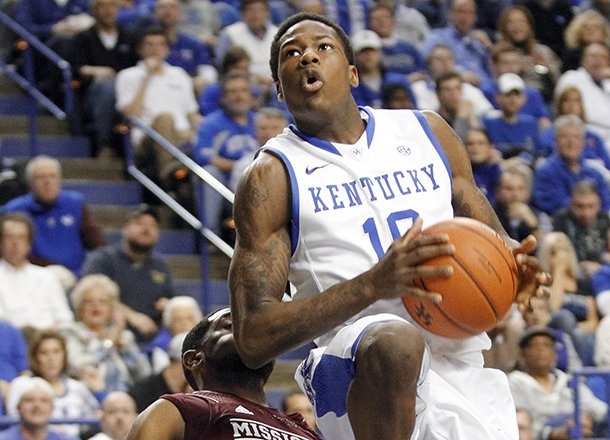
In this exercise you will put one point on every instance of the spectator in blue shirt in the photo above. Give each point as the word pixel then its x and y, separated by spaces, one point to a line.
pixel 225 136
pixel 514 134
pixel 371 74
pixel 65 228
pixel 470 46
pixel 13 356
pixel 569 102
pixel 45 18
pixel 399 55
pixel 185 50
pixel 485 162
pixel 555 178
pixel 507 58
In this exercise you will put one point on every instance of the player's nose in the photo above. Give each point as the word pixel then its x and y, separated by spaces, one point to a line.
pixel 309 56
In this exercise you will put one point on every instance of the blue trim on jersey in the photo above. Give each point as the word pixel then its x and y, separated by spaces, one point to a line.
pixel 370 126
pixel 424 123
pixel 331 381
pixel 320 143
pixel 328 146
pixel 294 233
pixel 333 376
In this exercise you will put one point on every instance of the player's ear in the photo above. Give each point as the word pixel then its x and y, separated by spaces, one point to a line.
pixel 280 94
pixel 192 359
pixel 353 76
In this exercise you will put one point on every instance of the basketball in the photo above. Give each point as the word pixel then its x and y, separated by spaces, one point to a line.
pixel 481 289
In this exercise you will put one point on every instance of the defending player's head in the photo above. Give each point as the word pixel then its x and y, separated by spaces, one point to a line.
pixel 209 355
pixel 297 18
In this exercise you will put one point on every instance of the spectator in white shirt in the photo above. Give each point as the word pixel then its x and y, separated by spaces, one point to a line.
pixel 30 296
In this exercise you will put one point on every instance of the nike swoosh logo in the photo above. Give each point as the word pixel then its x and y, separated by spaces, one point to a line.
pixel 311 170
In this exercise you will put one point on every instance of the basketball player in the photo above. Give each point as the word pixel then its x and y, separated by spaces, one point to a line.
pixel 229 402
pixel 335 205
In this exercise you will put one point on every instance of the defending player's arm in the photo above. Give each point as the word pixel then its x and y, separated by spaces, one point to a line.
pixel 160 421
pixel 264 327
pixel 469 201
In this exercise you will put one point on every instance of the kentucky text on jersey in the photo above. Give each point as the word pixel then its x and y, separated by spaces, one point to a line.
pixel 245 429
pixel 386 186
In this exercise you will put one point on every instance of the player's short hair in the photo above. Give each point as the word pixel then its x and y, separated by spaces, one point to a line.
pixel 19 217
pixel 297 18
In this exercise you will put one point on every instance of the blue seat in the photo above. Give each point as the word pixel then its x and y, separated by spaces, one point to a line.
pixel 56 146
pixel 15 104
pixel 107 192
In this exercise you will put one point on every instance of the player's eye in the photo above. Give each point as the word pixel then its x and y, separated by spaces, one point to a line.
pixel 292 53
pixel 325 46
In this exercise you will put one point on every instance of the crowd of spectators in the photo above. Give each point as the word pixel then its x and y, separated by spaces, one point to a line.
pixel 524 83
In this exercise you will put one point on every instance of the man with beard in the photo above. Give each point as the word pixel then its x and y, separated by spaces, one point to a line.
pixel 229 401
pixel 142 274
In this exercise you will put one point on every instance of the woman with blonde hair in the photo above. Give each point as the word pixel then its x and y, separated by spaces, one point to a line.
pixel 585 28
pixel 99 338
pixel 47 354
pixel 570 291
pixel 541 64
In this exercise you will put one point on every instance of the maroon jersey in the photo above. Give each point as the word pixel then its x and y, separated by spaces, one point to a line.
pixel 223 416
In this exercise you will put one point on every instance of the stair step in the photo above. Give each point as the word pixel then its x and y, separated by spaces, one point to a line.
pixel 113 216
pixel 171 241
pixel 15 104
pixel 7 86
pixel 217 294
pixel 47 125
pixel 93 169
pixel 185 266
pixel 107 192
pixel 56 146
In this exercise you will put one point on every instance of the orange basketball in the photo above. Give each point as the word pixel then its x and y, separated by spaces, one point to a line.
pixel 481 289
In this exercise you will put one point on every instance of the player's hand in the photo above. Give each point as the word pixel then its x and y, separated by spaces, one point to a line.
pixel 404 262
pixel 531 276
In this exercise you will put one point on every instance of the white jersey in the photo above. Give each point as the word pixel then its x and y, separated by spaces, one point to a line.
pixel 349 202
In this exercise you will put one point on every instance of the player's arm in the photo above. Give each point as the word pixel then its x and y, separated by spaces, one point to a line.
pixel 160 421
pixel 263 326
pixel 469 201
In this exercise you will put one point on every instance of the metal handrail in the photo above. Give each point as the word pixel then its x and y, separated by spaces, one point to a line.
pixel 182 212
pixel 28 83
pixel 604 373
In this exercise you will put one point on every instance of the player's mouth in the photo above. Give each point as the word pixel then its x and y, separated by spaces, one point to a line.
pixel 311 81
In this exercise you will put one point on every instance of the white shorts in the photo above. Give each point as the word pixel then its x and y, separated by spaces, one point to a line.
pixel 456 400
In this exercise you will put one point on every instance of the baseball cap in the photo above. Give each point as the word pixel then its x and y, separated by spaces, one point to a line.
pixel 141 209
pixel 365 39
pixel 174 349
pixel 537 331
pixel 509 82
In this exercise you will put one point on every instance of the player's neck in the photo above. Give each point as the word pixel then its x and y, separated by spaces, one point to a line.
pixel 342 127
pixel 247 389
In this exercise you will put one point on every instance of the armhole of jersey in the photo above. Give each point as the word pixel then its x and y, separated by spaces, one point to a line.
pixel 424 124
pixel 294 189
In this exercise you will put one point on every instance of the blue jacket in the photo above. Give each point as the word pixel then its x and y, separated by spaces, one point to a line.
pixel 58 227
pixel 553 183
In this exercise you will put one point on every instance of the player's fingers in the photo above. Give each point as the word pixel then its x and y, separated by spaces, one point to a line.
pixel 414 255
pixel 433 297
pixel 429 272
pixel 413 231
pixel 527 245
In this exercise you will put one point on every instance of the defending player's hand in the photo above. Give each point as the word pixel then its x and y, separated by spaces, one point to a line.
pixel 531 276
pixel 405 260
